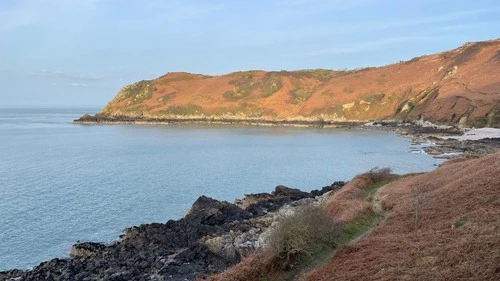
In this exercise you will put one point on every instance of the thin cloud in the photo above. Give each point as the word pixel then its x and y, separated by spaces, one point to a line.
pixel 72 77
pixel 79 84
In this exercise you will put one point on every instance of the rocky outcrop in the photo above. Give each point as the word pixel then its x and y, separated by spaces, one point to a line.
pixel 86 249
pixel 212 236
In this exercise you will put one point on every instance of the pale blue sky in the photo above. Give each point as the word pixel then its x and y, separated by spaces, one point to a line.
pixel 80 52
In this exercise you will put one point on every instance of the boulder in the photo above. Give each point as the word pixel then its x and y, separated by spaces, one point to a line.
pixel 86 249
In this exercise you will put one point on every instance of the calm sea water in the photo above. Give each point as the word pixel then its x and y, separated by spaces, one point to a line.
pixel 61 182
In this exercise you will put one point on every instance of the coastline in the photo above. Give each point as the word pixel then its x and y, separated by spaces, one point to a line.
pixel 212 236
pixel 99 120
pixel 447 141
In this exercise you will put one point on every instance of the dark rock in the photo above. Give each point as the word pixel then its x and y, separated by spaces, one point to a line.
pixel 209 211
pixel 14 274
pixel 175 250
pixel 86 249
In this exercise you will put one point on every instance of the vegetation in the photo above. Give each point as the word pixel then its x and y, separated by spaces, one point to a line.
pixel 167 97
pixel 415 59
pixel 308 238
pixel 185 110
pixel 272 84
pixel 306 232
pixel 137 92
pixel 324 74
pixel 299 94
pixel 458 224
pixel 348 90
pixel 334 110
pixel 245 108
pixel 457 236
pixel 244 86
pixel 358 227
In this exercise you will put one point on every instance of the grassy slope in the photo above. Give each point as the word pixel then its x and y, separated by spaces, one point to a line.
pixel 457 235
pixel 460 85
pixel 353 206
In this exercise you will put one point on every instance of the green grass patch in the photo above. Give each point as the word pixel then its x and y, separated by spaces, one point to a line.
pixel 271 84
pixel 189 109
pixel 137 92
pixel 458 224
pixel 298 95
pixel 358 227
pixel 244 86
pixel 372 189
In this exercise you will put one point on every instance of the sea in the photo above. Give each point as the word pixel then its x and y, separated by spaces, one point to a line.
pixel 62 182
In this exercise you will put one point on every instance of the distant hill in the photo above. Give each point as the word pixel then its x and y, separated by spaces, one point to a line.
pixel 461 86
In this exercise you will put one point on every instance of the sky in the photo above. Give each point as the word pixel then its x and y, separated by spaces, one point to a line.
pixel 79 53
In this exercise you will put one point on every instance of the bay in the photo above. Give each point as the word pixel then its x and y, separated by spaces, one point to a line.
pixel 62 182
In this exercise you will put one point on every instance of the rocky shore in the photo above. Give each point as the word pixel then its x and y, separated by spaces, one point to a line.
pixel 447 141
pixel 212 236
pixel 298 122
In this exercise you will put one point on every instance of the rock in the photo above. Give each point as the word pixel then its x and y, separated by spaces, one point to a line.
pixel 86 249
pixel 12 275
pixel 209 211
pixel 212 236
pixel 282 190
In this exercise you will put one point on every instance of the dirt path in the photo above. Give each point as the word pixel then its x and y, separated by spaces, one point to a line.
pixel 379 211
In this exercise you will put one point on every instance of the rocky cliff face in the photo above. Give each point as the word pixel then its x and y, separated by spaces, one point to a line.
pixel 461 87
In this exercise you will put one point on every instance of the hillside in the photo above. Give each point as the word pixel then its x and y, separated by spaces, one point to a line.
pixel 461 86
pixel 440 225
pixel 455 237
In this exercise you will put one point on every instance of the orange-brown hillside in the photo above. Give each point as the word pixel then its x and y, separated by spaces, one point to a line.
pixel 456 235
pixel 461 86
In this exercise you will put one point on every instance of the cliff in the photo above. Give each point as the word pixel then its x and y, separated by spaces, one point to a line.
pixel 460 87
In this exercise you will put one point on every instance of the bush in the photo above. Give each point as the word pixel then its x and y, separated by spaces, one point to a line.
pixel 380 174
pixel 299 94
pixel 306 232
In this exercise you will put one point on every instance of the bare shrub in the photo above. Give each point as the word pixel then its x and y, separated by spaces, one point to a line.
pixel 304 233
pixel 377 174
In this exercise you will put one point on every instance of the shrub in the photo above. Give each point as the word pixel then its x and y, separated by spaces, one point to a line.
pixel 304 233
pixel 457 224
pixel 380 174
pixel 299 94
